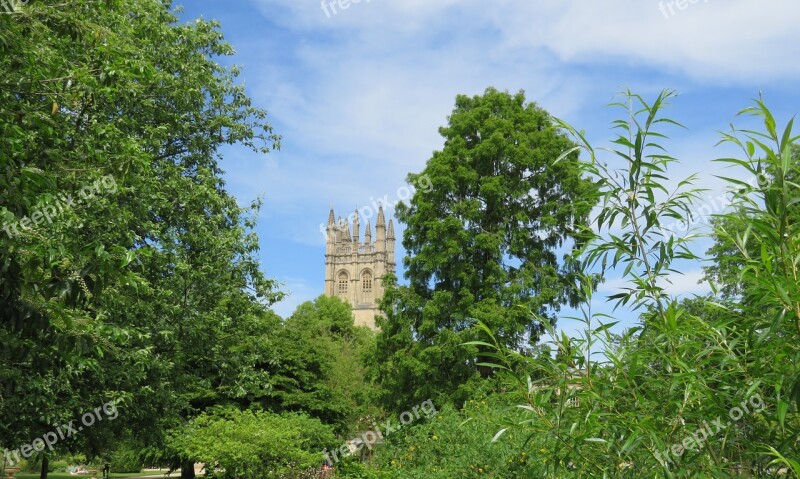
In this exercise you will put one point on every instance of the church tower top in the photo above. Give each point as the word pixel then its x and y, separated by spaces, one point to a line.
pixel 354 269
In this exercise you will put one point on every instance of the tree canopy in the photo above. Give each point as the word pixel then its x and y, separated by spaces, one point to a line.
pixel 127 271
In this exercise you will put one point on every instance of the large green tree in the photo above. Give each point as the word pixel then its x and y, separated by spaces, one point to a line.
pixel 320 366
pixel 126 268
pixel 483 244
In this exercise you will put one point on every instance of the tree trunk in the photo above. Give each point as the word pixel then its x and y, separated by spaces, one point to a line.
pixel 187 470
pixel 45 466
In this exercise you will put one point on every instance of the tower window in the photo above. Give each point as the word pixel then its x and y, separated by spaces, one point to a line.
pixel 343 284
pixel 366 286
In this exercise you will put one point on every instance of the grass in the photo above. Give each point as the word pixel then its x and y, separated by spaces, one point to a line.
pixel 66 475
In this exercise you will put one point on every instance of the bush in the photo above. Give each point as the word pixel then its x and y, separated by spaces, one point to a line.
pixel 455 445
pixel 126 459
pixel 353 468
pixel 34 464
pixel 253 444
pixel 56 466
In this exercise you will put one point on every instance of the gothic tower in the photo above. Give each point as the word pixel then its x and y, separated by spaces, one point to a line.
pixel 353 269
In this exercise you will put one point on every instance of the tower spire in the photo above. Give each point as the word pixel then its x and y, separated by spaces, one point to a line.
pixel 381 220
pixel 356 232
pixel 380 232
pixel 390 247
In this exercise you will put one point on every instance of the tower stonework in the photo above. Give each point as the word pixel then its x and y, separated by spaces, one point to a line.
pixel 353 268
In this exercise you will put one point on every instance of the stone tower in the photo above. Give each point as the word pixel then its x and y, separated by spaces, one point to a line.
pixel 354 268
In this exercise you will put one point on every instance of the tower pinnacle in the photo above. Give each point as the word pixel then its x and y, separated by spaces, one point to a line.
pixel 356 233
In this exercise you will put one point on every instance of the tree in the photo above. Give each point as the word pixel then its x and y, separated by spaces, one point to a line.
pixel 146 287
pixel 319 368
pixel 483 245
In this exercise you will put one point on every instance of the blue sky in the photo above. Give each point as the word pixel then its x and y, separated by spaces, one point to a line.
pixel 358 95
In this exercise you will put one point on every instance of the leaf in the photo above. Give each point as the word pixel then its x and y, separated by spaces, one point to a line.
pixel 606 326
pixel 128 258
pixel 596 440
pixel 499 433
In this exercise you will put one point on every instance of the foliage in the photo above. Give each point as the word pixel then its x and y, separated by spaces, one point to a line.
pixel 767 239
pixel 235 444
pixel 128 272
pixel 319 368
pixel 727 261
pixel 454 445
pixel 125 458
pixel 637 408
pixel 147 288
pixel 353 468
pixel 482 245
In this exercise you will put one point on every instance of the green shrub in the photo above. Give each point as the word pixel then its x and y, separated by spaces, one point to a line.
pixel 353 468
pixel 253 444
pixel 455 445
pixel 126 459
pixel 27 466
pixel 58 466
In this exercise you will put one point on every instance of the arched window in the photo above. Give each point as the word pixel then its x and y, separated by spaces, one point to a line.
pixel 366 286
pixel 343 284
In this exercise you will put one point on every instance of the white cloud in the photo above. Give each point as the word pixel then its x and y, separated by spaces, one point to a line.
pixel 367 89
pixel 688 283
pixel 724 40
